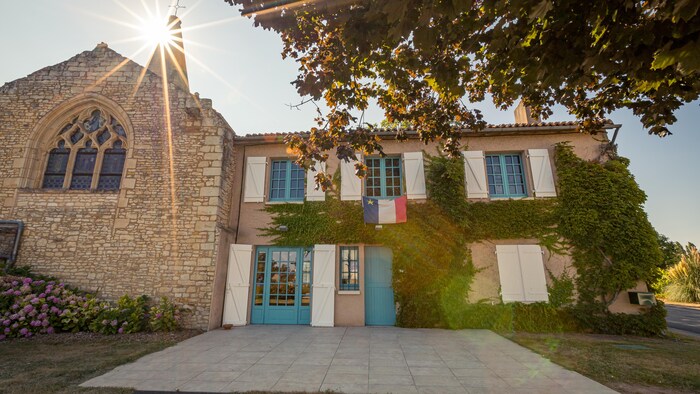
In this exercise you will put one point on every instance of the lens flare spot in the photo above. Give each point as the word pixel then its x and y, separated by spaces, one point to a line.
pixel 157 31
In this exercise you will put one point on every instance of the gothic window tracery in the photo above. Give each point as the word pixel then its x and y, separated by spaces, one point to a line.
pixel 87 153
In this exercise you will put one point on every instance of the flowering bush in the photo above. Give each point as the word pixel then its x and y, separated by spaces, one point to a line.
pixel 165 316
pixel 29 307
pixel 128 316
pixel 39 306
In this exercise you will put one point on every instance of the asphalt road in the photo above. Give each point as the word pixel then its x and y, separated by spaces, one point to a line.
pixel 683 318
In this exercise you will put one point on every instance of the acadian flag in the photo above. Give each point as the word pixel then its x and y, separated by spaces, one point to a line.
pixel 384 211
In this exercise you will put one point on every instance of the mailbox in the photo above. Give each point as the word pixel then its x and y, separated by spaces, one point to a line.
pixel 642 298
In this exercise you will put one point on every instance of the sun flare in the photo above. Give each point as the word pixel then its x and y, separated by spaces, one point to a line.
pixel 157 31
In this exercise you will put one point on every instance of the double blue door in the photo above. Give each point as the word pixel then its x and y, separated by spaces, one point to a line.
pixel 282 292
pixel 380 309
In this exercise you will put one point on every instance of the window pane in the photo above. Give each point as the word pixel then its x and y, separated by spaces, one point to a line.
pixel 53 181
pixel 113 161
pixel 505 175
pixel 76 137
pixel 83 168
pixel 109 182
pixel 349 268
pixel 81 182
pixel 56 168
pixel 94 122
pixel 85 161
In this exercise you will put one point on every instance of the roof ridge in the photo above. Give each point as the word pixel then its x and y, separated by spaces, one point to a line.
pixel 552 124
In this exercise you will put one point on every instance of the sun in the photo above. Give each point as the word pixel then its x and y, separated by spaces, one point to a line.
pixel 157 31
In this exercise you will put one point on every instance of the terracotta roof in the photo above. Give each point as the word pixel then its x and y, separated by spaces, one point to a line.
pixel 568 124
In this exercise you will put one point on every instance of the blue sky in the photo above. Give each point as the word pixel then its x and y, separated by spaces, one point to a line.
pixel 240 68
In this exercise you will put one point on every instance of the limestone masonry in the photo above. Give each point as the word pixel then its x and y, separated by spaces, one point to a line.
pixel 149 237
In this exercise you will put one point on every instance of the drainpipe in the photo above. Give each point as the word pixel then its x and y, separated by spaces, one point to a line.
pixel 15 249
pixel 240 198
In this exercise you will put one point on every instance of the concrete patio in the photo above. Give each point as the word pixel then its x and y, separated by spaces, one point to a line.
pixel 348 360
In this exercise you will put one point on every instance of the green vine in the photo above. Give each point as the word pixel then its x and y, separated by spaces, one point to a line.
pixel 599 213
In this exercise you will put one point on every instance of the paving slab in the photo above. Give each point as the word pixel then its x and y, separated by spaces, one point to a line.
pixel 347 360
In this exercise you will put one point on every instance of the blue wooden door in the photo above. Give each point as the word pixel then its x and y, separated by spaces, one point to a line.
pixel 282 291
pixel 379 295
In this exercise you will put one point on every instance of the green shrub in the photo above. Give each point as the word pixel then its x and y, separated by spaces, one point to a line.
pixel 30 306
pixel 561 291
pixel 598 319
pixel 165 316
pixel 498 317
pixel 134 312
pixel 683 279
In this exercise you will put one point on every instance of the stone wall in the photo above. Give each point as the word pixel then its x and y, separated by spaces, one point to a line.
pixel 158 234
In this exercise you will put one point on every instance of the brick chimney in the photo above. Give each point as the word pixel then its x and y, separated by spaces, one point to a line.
pixel 523 114
pixel 175 65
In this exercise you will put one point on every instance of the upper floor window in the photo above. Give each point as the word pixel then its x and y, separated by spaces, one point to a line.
pixel 286 181
pixel 505 175
pixel 383 177
pixel 88 153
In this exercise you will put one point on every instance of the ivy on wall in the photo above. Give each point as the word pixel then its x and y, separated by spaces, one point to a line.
pixel 599 212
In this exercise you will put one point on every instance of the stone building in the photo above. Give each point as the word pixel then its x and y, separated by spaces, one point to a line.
pixel 120 191
pixel 127 183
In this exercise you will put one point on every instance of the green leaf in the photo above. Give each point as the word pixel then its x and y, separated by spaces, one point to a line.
pixel 686 57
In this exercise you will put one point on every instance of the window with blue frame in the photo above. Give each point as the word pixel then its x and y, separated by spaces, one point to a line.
pixel 286 181
pixel 349 268
pixel 506 175
pixel 383 177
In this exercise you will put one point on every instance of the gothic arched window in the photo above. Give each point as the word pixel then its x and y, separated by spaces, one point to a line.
pixel 88 153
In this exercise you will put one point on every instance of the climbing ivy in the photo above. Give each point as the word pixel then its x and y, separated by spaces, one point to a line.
pixel 431 262
pixel 599 212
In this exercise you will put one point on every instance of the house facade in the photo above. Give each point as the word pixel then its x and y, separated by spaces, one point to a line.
pixel 351 284
pixel 127 183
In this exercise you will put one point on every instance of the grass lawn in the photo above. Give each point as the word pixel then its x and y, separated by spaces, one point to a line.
pixel 59 363
pixel 668 365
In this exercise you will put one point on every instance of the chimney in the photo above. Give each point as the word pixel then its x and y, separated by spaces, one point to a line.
pixel 523 114
pixel 175 65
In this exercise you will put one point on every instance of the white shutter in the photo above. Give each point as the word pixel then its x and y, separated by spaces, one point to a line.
pixel 255 179
pixel 350 184
pixel 313 194
pixel 475 174
pixel 237 285
pixel 532 268
pixel 414 174
pixel 323 288
pixel 542 176
pixel 509 273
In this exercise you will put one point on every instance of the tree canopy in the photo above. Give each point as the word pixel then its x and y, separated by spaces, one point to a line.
pixel 424 61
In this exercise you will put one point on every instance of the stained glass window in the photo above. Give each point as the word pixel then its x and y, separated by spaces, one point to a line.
pixel 56 167
pixel 83 168
pixel 95 137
